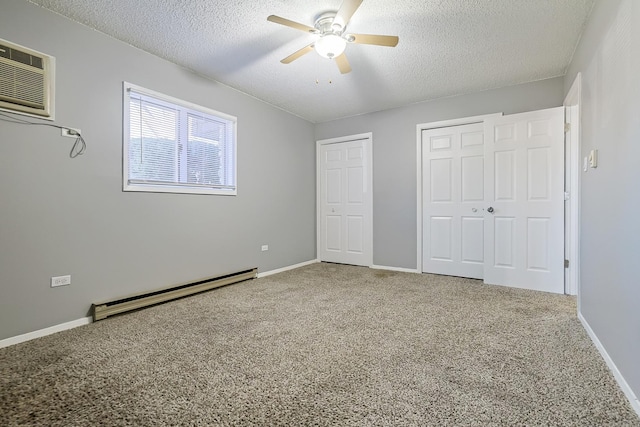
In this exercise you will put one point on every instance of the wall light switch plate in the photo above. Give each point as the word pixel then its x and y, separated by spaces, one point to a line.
pixel 593 159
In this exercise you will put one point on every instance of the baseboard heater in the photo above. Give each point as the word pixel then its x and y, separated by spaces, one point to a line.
pixel 133 302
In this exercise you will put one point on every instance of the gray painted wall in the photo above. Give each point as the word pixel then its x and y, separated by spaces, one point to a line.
pixel 394 155
pixel 69 216
pixel 608 57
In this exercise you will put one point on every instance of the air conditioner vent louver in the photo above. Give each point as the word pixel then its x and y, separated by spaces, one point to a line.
pixel 26 80
pixel 20 56
pixel 20 84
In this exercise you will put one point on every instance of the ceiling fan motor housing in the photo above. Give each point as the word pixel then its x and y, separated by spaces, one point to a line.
pixel 324 23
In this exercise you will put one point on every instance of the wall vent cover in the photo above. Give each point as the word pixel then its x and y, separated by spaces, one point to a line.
pixel 26 80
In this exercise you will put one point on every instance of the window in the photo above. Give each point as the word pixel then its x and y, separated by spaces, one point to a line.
pixel 176 147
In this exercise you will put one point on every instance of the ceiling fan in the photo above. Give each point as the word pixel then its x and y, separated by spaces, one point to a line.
pixel 333 38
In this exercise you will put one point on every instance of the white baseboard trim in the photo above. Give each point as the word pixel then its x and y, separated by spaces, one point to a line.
pixel 283 269
pixel 87 320
pixel 402 270
pixel 626 389
pixel 44 332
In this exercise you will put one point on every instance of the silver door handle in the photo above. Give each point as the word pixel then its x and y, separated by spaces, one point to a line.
pixel 474 210
pixel 490 209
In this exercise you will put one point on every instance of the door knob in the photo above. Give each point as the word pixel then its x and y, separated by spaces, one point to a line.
pixel 490 209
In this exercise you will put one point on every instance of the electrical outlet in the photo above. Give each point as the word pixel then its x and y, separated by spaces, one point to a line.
pixel 70 132
pixel 60 281
pixel 265 248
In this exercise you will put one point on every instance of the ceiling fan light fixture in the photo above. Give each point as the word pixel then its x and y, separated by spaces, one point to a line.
pixel 330 46
pixel 330 29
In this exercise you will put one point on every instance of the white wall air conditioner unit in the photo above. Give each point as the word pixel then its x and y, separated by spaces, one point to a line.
pixel 26 81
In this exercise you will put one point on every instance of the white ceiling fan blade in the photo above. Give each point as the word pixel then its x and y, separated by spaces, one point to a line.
pixel 390 41
pixel 343 64
pixel 345 13
pixel 297 54
pixel 292 24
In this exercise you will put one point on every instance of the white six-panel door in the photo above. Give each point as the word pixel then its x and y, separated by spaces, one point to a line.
pixel 453 198
pixel 524 233
pixel 492 200
pixel 344 199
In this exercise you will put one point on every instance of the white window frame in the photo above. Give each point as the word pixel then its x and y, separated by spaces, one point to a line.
pixel 167 188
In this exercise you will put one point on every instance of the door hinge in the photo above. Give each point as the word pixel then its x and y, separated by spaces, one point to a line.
pixel 566 263
pixel 567 127
pixel 567 196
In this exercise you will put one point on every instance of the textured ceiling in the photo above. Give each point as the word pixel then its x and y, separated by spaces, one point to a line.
pixel 447 47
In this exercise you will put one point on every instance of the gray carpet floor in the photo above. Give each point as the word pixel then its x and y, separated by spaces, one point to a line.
pixel 322 345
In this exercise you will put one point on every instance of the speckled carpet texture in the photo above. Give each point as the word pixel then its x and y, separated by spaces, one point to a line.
pixel 322 345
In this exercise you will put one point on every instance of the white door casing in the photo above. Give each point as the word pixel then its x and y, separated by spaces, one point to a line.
pixel 453 200
pixel 345 200
pixel 572 187
pixel 524 179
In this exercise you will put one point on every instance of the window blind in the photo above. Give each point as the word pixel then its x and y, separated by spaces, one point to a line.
pixel 176 145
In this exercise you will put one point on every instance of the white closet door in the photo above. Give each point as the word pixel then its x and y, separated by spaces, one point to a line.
pixel 345 202
pixel 524 219
pixel 453 197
